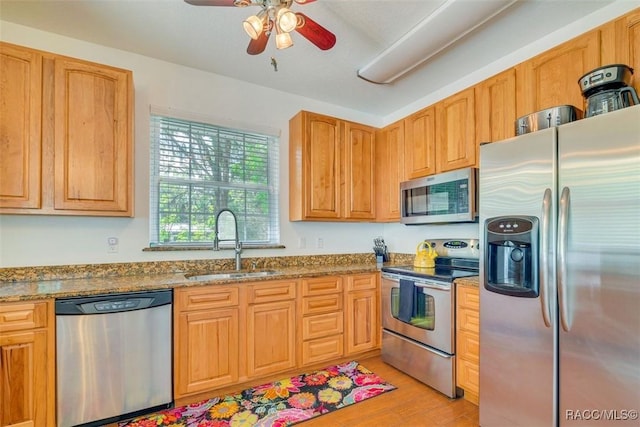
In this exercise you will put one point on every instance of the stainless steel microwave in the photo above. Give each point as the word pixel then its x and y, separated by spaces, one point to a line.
pixel 442 198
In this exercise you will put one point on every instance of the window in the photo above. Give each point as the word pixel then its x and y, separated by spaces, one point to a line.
pixel 198 169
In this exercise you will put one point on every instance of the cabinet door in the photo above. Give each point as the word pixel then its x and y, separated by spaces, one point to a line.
pixel 420 143
pixel 20 127
pixel 456 131
pixel 24 391
pixel 496 107
pixel 359 160
pixel 92 141
pixel 206 353
pixel 389 171
pixel 361 321
pixel 468 341
pixel 551 79
pixel 627 44
pixel 315 167
pixel 270 338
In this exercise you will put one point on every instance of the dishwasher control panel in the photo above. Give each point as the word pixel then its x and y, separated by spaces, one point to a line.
pixel 114 303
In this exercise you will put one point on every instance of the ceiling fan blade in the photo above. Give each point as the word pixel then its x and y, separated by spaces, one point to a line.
pixel 258 45
pixel 315 32
pixel 211 2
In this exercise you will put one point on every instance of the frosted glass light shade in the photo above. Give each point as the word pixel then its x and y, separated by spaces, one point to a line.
pixel 283 40
pixel 287 20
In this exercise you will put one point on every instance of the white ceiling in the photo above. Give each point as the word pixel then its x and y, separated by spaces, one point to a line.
pixel 212 39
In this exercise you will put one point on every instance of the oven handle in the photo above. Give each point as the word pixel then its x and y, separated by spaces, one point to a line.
pixel 420 283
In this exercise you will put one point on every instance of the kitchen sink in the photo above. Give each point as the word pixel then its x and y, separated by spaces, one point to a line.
pixel 230 275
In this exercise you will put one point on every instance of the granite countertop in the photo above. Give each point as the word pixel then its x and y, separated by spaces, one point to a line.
pixel 64 288
pixel 469 281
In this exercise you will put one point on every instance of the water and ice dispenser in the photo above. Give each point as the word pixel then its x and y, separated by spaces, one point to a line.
pixel 511 255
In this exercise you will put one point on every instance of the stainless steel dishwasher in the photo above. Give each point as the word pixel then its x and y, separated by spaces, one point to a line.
pixel 114 358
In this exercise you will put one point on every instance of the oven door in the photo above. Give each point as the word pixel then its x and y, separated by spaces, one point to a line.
pixel 433 320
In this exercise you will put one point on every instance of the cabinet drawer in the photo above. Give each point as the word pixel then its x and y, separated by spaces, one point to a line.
pixel 468 346
pixel 322 325
pixel 468 297
pixel 321 349
pixel 468 376
pixel 22 316
pixel 321 286
pixel 206 298
pixel 322 304
pixel 361 282
pixel 469 320
pixel 271 292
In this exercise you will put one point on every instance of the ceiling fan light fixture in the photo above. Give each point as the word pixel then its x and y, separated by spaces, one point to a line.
pixel 254 24
pixel 283 39
pixel 286 19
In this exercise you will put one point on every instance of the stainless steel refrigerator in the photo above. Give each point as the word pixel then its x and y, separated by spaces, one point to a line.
pixel 560 275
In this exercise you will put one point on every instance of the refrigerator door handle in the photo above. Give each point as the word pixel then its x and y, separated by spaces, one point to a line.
pixel 563 239
pixel 544 257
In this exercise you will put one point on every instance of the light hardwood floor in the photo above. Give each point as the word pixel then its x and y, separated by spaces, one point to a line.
pixel 412 404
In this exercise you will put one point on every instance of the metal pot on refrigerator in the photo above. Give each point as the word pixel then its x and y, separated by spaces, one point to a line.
pixel 549 117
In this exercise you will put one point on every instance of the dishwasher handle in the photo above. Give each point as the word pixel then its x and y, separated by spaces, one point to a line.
pixel 113 303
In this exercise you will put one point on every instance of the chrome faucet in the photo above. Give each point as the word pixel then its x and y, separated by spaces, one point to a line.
pixel 238 244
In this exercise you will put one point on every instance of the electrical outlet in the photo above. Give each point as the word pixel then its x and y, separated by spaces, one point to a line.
pixel 302 243
pixel 320 243
pixel 112 245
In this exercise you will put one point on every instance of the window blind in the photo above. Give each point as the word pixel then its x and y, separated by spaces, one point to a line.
pixel 199 168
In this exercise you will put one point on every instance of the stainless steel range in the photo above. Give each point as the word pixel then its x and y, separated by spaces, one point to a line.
pixel 418 314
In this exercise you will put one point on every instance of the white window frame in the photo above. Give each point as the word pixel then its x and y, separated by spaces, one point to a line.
pixel 269 223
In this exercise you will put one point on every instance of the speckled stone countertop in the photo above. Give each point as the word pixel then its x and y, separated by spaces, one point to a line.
pixel 469 281
pixel 30 283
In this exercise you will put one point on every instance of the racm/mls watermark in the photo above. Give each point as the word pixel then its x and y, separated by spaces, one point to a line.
pixel 601 414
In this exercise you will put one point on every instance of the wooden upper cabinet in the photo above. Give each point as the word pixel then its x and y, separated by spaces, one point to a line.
pixel 389 171
pixel 20 127
pixel 441 137
pixel 420 143
pixel 331 165
pixel 551 78
pixel 456 131
pixel 359 164
pixel 627 44
pixel 314 167
pixel 93 127
pixel 496 107
pixel 67 135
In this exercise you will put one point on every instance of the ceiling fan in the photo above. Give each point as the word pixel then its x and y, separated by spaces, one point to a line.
pixel 275 14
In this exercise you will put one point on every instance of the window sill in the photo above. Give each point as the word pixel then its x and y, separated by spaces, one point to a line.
pixel 169 248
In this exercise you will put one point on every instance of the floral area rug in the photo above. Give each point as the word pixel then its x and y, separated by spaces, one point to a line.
pixel 278 404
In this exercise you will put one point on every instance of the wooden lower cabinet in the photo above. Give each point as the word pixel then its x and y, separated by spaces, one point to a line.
pixel 322 320
pixel 270 343
pixel 362 331
pixel 271 328
pixel 239 334
pixel 27 369
pixel 206 349
pixel 468 341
